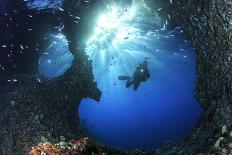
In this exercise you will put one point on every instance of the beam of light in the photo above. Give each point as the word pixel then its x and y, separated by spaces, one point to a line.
pixel 112 27
pixel 109 20
pixel 117 33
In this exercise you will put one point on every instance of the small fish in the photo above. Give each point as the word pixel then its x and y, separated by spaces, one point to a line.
pixel 21 46
pixel 15 80
pixel 38 80
pixel 181 49
pixel 126 38
pixel 61 9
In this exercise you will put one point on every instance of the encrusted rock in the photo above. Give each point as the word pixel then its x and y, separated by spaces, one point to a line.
pixel 230 146
pixel 224 130
pixel 13 103
pixel 83 147
pixel 62 138
pixel 217 144
pixel 43 139
pixel 224 151
pixel 41 116
pixel 62 145
pixel 36 117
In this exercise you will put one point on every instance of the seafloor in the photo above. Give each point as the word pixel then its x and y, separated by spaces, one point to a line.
pixel 38 116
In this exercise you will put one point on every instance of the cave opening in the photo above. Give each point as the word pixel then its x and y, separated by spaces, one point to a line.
pixel 163 108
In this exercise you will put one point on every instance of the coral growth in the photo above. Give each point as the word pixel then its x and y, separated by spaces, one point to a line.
pixel 83 146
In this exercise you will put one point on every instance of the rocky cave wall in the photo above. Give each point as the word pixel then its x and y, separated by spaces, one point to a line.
pixel 207 24
pixel 33 108
pixel 40 109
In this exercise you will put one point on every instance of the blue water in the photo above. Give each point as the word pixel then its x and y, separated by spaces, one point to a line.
pixel 44 4
pixel 163 108
pixel 56 59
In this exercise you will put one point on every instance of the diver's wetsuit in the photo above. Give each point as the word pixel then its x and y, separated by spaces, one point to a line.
pixel 141 74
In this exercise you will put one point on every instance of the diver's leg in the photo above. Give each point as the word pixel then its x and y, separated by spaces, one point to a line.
pixel 136 85
pixel 129 83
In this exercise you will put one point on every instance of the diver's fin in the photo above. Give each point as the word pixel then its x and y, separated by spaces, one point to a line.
pixel 123 77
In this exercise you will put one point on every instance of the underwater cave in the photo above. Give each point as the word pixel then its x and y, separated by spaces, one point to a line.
pixel 66 64
pixel 162 108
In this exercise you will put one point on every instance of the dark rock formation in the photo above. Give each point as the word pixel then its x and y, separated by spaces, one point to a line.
pixel 34 108
pixel 40 108
pixel 207 24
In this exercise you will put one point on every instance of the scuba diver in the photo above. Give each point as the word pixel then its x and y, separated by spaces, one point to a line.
pixel 141 74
